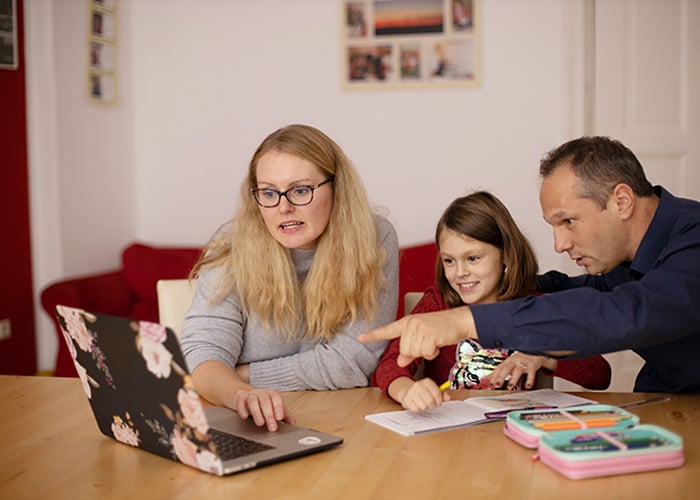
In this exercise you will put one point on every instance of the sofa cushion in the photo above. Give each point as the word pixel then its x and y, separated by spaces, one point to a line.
pixel 144 265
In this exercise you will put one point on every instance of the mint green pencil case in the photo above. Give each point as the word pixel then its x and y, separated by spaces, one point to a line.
pixel 579 454
pixel 527 427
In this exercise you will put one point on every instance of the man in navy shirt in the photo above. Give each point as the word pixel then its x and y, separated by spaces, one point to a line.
pixel 640 246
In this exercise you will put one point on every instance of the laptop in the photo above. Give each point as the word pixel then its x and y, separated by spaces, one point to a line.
pixel 141 394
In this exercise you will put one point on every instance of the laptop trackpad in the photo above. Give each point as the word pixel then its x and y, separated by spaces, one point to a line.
pixel 227 420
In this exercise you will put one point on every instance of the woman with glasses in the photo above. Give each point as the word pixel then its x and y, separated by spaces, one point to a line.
pixel 283 290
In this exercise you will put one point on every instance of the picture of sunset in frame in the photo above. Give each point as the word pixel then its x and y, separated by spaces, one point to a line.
pixel 401 17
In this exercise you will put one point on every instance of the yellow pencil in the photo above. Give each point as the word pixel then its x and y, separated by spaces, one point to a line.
pixel 445 386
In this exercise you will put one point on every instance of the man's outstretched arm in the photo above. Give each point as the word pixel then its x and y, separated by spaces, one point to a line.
pixel 422 335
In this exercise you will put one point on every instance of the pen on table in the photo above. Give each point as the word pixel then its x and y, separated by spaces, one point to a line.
pixel 445 386
pixel 660 399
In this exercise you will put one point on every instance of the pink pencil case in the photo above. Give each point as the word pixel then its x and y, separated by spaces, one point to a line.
pixel 527 427
pixel 592 453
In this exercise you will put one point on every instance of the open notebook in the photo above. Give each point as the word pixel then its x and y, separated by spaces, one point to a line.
pixel 475 410
pixel 141 394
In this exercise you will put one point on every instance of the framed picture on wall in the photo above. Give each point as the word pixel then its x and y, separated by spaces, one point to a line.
pixel 8 34
pixel 101 55
pixel 102 24
pixel 102 51
pixel 410 43
pixel 101 87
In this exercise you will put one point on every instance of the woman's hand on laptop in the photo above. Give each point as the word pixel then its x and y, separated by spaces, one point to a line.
pixel 222 386
pixel 264 406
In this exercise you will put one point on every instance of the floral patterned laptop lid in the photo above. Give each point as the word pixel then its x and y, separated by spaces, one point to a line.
pixel 134 400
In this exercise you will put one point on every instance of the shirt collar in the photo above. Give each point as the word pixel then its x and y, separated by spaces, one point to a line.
pixel 658 233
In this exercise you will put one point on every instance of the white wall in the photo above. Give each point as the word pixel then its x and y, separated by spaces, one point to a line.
pixel 200 85
pixel 82 182
pixel 210 83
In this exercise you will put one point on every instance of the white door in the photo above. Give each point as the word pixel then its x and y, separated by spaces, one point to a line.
pixel 645 75
pixel 647 86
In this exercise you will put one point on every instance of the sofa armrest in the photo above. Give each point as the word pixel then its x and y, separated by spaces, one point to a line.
pixel 107 293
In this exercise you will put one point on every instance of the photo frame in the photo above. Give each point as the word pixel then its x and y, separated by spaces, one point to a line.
pixel 102 51
pixel 8 35
pixel 410 43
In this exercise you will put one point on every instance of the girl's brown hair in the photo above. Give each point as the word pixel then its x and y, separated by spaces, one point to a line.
pixel 485 218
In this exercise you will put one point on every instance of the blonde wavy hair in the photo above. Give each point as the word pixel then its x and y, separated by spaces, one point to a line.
pixel 346 275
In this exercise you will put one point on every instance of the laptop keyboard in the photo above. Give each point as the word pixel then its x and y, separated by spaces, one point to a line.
pixel 230 446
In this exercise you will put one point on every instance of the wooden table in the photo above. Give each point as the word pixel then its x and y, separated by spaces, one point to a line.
pixel 50 447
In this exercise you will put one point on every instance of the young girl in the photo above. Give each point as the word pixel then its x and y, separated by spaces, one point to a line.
pixel 285 288
pixel 484 258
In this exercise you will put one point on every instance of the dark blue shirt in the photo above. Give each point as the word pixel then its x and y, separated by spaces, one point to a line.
pixel 651 305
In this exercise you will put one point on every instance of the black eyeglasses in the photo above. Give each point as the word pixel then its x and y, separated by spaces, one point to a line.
pixel 296 195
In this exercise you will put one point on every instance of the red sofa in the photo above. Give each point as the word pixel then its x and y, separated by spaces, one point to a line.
pixel 131 291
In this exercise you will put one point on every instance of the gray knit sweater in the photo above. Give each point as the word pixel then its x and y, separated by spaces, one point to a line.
pixel 222 332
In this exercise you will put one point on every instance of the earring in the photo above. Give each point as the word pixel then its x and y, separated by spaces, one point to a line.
pixel 505 269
